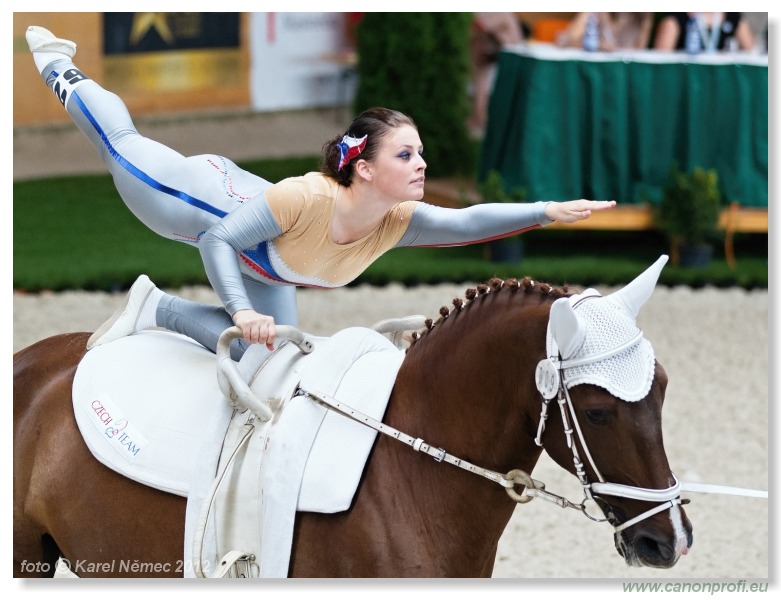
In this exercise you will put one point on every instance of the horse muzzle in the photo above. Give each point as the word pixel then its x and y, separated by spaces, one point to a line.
pixel 648 539
pixel 655 542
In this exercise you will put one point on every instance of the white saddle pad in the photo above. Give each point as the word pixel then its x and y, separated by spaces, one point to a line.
pixel 149 407
pixel 144 403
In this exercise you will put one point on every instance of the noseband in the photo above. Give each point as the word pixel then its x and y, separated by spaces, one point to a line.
pixel 551 384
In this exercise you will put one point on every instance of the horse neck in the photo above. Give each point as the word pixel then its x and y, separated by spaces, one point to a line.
pixel 468 385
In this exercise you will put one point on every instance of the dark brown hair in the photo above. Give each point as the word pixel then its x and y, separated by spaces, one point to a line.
pixel 374 123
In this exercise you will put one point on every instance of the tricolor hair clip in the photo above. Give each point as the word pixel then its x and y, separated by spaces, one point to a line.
pixel 349 148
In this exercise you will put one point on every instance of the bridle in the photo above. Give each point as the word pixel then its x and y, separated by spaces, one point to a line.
pixel 551 383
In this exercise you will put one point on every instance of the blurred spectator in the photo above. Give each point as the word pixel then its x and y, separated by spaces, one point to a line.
pixel 718 31
pixel 351 21
pixel 617 31
pixel 490 33
pixel 759 26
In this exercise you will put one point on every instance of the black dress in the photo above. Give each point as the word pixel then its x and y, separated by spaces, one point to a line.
pixel 729 26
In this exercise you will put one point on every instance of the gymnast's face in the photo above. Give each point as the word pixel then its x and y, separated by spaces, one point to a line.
pixel 398 170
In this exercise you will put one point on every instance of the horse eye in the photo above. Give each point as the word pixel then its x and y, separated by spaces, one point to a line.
pixel 598 416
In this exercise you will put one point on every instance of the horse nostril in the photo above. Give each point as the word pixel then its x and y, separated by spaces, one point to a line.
pixel 654 551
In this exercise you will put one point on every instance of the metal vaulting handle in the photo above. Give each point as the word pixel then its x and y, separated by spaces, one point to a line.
pixel 231 382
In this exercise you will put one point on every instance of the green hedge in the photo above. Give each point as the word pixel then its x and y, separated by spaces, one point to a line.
pixel 418 63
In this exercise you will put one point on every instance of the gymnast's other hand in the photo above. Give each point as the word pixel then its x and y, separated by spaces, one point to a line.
pixel 575 210
pixel 256 328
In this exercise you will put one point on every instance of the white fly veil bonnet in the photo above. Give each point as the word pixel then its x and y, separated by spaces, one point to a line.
pixel 586 326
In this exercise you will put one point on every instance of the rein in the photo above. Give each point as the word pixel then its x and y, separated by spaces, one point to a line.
pixel 550 382
pixel 417 444
pixel 534 488
pixel 550 373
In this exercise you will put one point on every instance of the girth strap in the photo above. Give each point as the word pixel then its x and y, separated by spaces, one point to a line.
pixel 206 511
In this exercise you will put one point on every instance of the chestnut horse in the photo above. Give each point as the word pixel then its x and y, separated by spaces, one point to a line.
pixel 467 384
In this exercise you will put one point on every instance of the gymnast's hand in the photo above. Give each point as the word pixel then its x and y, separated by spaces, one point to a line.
pixel 257 328
pixel 575 210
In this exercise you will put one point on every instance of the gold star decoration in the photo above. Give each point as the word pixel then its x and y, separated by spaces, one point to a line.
pixel 143 22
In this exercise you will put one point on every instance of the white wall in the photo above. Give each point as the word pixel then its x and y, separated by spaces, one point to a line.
pixel 289 61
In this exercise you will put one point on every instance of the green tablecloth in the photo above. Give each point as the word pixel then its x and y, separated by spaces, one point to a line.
pixel 569 124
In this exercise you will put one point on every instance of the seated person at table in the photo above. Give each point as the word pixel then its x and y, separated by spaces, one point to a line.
pixel 617 31
pixel 490 33
pixel 716 29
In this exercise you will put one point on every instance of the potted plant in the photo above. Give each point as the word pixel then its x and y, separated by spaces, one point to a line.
pixel 508 249
pixel 688 213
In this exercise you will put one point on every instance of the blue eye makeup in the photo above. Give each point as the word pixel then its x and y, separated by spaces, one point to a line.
pixel 406 154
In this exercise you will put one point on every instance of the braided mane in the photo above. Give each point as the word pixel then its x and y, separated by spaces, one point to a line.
pixel 494 285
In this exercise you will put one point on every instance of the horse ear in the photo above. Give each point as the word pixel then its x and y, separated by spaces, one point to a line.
pixel 636 293
pixel 566 328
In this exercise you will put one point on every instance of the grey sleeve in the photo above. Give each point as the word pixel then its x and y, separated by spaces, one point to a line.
pixel 436 226
pixel 244 228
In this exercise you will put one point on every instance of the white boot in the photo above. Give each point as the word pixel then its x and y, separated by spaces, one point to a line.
pixel 43 40
pixel 125 320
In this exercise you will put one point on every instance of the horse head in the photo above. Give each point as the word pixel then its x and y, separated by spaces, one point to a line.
pixel 610 390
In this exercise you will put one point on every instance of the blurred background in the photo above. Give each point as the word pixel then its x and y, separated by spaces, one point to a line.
pixel 168 62
pixel 512 107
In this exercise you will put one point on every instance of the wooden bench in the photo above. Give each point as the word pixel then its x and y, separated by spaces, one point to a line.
pixel 455 193
pixel 734 219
